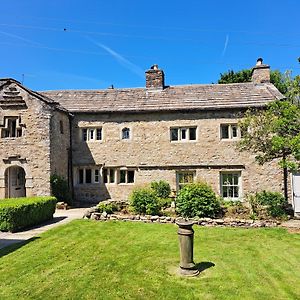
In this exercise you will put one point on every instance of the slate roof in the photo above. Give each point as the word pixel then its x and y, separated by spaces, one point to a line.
pixel 171 98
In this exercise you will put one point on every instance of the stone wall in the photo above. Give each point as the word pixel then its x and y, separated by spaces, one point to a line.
pixel 60 144
pixel 31 151
pixel 151 153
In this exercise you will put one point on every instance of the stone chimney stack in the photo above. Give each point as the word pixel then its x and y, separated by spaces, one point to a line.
pixel 261 72
pixel 155 78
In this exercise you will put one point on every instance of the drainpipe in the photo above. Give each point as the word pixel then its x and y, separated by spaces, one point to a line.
pixel 70 159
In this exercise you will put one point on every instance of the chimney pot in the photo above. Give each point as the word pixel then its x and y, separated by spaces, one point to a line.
pixel 259 61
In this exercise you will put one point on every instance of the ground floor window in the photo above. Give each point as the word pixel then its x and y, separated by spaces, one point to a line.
pixel 126 176
pixel 184 178
pixel 230 185
pixel 88 175
pixel 108 175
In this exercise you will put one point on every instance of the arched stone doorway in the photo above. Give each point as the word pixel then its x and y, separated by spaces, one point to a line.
pixel 15 182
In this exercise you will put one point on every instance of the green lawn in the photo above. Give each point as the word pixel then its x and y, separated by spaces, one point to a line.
pixel 118 260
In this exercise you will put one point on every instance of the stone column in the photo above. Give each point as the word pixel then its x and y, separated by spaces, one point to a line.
pixel 186 245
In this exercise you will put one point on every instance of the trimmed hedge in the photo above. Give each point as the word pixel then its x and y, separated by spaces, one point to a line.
pixel 18 213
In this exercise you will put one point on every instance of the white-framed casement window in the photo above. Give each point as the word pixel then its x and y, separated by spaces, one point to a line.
pixel 125 134
pixel 230 131
pixel 183 134
pixel 88 175
pixel 183 178
pixel 109 175
pixel 230 185
pixel 126 176
pixel 91 134
pixel 12 127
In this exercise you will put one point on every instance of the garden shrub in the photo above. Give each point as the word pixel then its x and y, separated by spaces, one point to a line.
pixel 19 213
pixel 197 200
pixel 161 188
pixel 144 201
pixel 165 202
pixel 60 188
pixel 108 207
pixel 274 202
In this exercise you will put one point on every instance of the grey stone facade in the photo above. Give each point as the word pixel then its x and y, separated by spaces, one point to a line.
pixel 107 142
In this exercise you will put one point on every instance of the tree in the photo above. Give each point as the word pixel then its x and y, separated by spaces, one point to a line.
pixel 273 133
pixel 276 77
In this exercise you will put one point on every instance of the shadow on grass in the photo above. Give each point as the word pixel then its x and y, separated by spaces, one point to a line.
pixel 202 266
pixel 13 245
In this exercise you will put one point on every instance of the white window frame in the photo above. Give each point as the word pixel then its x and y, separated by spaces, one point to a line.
pixel 91 134
pixel 231 185
pixel 230 131
pixel 107 178
pixel 180 185
pixel 126 176
pixel 93 175
pixel 180 131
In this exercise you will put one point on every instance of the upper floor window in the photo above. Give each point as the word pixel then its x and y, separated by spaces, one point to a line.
pixel 125 133
pixel 231 185
pixel 91 134
pixel 11 127
pixel 230 131
pixel 183 133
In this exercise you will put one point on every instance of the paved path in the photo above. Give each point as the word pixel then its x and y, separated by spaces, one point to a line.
pixel 293 224
pixel 60 217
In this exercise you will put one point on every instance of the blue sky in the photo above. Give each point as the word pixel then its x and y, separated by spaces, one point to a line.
pixel 68 44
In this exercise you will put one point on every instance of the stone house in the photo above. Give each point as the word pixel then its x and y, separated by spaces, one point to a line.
pixel 106 142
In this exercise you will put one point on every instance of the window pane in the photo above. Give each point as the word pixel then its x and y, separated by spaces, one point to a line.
pixel 105 176
pixel 99 134
pixel 174 134
pixel 111 175
pixel 234 131
pixel 183 134
pixel 91 134
pixel 122 176
pixel 130 176
pixel 80 176
pixel 12 127
pixel 224 179
pixel 192 134
pixel 84 134
pixel 88 175
pixel 96 175
pixel 125 133
pixel 235 192
pixel 224 132
pixel 235 179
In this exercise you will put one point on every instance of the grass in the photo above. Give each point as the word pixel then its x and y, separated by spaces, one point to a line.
pixel 118 260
